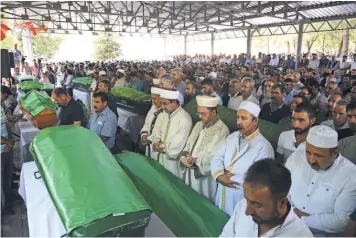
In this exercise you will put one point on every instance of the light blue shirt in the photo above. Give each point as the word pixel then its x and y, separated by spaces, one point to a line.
pixel 104 125
pixel 289 98
pixel 217 95
pixel 3 128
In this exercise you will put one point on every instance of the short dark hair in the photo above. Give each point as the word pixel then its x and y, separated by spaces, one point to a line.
pixel 60 91
pixel 304 99
pixel 193 83
pixel 280 86
pixel 213 109
pixel 307 88
pixel 351 105
pixel 288 80
pixel 306 107
pixel 5 90
pixel 207 82
pixel 133 73
pixel 270 173
pixel 313 83
pixel 106 82
pixel 103 96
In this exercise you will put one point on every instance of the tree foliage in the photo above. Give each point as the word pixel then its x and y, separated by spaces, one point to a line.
pixel 106 48
pixel 45 45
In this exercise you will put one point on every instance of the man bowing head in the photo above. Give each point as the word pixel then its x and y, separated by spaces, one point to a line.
pixel 206 138
pixel 239 151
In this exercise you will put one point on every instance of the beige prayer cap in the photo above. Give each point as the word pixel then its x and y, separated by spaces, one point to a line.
pixel 251 107
pixel 156 81
pixel 172 95
pixel 155 90
pixel 322 137
pixel 206 101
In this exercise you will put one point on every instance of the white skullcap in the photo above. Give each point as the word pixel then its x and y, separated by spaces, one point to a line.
pixel 173 95
pixel 121 71
pixel 251 107
pixel 322 137
pixel 206 101
pixel 101 73
pixel 213 75
pixel 156 81
pixel 155 90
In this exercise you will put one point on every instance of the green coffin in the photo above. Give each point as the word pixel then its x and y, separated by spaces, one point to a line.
pixel 35 102
pixel 182 209
pixel 268 129
pixel 27 77
pixel 132 100
pixel 27 86
pixel 82 83
pixel 91 192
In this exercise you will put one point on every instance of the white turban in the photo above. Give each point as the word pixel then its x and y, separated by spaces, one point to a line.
pixel 155 90
pixel 251 107
pixel 206 101
pixel 322 137
pixel 172 95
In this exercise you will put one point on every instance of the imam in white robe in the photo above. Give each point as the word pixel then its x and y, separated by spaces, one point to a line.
pixel 240 225
pixel 328 196
pixel 202 144
pixel 236 155
pixel 172 131
pixel 148 127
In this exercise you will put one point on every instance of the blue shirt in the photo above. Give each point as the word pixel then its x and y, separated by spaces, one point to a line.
pixel 217 95
pixel 289 98
pixel 104 125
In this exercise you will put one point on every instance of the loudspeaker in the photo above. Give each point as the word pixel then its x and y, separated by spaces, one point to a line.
pixel 11 60
pixel 5 64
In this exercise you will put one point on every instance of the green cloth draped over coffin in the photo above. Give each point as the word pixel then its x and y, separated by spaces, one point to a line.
pixel 27 86
pixel 185 212
pixel 132 100
pixel 86 184
pixel 82 83
pixel 26 77
pixel 268 129
pixel 35 102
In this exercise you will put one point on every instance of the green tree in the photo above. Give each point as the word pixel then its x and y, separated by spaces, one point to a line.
pixel 106 48
pixel 46 45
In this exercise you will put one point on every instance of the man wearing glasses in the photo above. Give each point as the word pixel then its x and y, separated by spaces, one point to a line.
pixel 206 137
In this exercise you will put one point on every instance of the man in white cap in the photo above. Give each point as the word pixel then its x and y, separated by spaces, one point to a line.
pixel 121 80
pixel 207 136
pixel 323 191
pixel 236 155
pixel 151 118
pixel 171 134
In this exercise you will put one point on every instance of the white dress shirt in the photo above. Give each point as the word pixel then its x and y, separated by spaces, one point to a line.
pixel 274 62
pixel 313 64
pixel 353 65
pixel 328 196
pixel 287 144
pixel 240 225
pixel 239 100
pixel 344 65
pixel 234 102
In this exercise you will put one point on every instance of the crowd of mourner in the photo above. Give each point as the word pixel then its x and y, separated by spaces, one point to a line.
pixel 304 187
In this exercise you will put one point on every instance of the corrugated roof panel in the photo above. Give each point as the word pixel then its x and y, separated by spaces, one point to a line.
pixel 265 20
pixel 330 11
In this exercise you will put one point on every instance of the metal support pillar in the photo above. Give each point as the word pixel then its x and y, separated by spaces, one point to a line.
pixel 185 45
pixel 27 45
pixel 212 44
pixel 299 44
pixel 249 41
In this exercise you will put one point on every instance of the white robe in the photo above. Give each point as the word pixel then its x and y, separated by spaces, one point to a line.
pixel 236 156
pixel 172 130
pixel 148 128
pixel 202 145
pixel 328 196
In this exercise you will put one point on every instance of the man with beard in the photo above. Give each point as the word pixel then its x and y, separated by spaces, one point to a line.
pixel 303 118
pixel 236 155
pixel 191 91
pixel 72 112
pixel 339 117
pixel 234 93
pixel 265 211
pixel 171 134
pixel 347 145
pixel 103 122
pixel 208 90
pixel 286 122
pixel 330 88
pixel 247 89
pixel 323 191
pixel 206 137
pixel 276 110
pixel 150 121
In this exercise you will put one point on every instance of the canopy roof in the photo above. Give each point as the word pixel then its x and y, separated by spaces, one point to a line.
pixel 175 17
